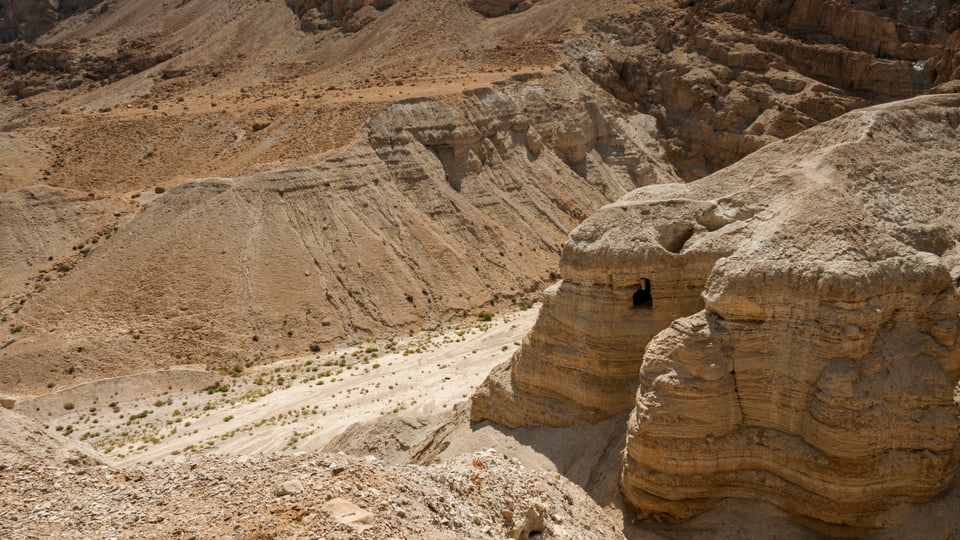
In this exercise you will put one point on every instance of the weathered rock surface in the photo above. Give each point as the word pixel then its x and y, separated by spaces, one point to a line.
pixel 30 69
pixel 430 215
pixel 24 443
pixel 27 19
pixel 499 8
pixel 801 309
pixel 725 78
pixel 346 15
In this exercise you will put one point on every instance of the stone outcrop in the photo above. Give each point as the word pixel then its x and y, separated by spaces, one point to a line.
pixel 346 15
pixel 436 211
pixel 499 8
pixel 31 69
pixel 793 320
pixel 27 19
pixel 725 78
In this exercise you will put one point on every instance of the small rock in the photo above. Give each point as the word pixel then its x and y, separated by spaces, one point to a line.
pixel 290 487
pixel 347 513
pixel 534 142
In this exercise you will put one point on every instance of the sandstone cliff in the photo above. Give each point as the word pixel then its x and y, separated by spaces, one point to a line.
pixel 793 320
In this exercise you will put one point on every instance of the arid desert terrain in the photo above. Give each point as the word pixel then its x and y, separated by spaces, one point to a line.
pixel 479 269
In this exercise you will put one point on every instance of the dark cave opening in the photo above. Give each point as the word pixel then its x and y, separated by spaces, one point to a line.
pixel 643 299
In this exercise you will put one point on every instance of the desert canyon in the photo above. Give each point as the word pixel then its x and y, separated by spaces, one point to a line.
pixel 479 269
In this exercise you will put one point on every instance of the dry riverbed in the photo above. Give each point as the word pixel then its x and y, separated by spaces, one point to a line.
pixel 301 403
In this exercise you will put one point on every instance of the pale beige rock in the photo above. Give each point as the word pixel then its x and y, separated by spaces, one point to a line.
pixel 801 345
pixel 289 487
pixel 348 513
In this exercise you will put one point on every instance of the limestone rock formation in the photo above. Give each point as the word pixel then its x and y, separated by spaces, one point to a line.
pixel 431 215
pixel 347 15
pixel 27 19
pixel 725 78
pixel 794 320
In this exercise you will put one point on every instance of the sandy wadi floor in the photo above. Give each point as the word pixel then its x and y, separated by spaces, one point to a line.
pixel 291 405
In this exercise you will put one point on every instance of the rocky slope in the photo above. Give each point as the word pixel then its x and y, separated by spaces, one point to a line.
pixel 431 215
pixel 28 19
pixel 316 495
pixel 793 319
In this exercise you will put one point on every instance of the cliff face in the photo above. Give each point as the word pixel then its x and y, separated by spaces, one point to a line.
pixel 793 320
pixel 726 78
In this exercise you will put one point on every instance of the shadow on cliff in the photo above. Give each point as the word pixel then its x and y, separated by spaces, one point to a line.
pixel 589 456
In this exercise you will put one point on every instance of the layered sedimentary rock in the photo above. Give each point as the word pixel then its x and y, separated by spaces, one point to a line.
pixel 27 19
pixel 793 320
pixel 726 78
pixel 347 15
pixel 436 211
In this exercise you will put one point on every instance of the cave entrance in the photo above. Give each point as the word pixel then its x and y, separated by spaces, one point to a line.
pixel 642 299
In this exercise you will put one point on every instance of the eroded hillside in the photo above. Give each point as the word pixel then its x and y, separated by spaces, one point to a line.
pixel 381 166
pixel 225 184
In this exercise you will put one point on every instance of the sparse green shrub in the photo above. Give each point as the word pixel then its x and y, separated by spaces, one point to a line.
pixel 485 316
